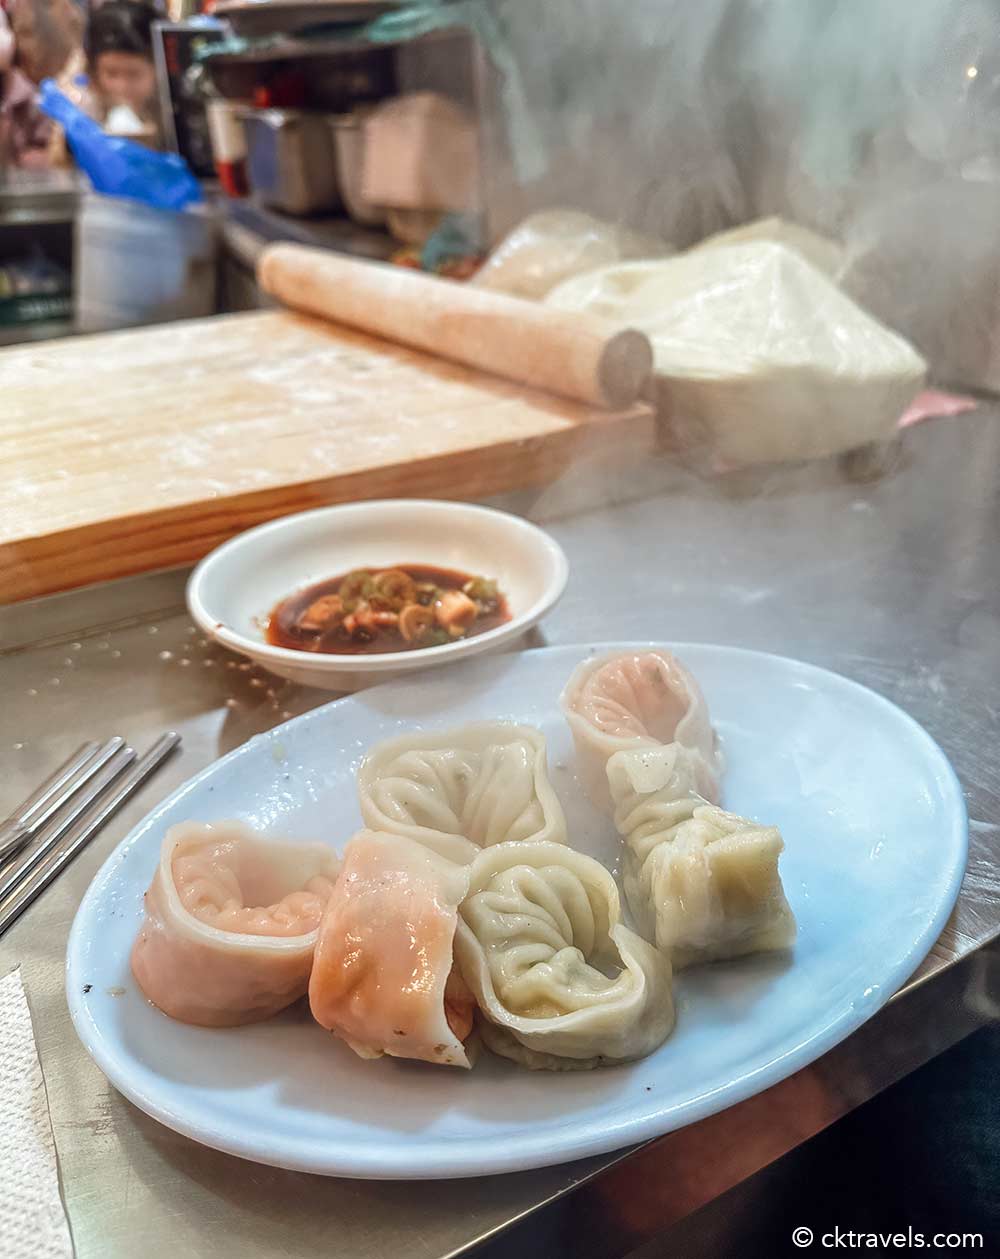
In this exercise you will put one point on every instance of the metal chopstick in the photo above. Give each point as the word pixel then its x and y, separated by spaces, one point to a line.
pixel 54 781
pixel 85 830
pixel 22 866
pixel 12 832
pixel 39 809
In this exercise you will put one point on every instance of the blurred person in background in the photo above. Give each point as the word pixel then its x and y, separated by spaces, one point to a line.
pixel 38 38
pixel 48 33
pixel 22 128
pixel 121 93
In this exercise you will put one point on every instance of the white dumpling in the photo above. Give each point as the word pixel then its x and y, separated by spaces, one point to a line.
pixel 703 884
pixel 384 978
pixel 456 791
pixel 652 791
pixel 560 982
pixel 230 923
pixel 631 699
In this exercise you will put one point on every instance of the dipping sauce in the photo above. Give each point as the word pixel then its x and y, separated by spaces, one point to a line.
pixel 369 611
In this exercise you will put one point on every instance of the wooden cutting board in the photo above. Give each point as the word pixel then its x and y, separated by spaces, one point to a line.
pixel 137 450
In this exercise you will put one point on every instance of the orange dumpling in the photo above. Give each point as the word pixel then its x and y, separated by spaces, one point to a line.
pixel 231 923
pixel 383 977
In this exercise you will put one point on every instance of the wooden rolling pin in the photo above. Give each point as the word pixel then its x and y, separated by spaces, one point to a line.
pixel 577 355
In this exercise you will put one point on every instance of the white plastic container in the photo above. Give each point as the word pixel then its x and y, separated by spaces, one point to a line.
pixel 349 152
pixel 136 265
pixel 421 152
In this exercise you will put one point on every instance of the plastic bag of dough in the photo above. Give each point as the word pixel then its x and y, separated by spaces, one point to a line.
pixel 759 357
pixel 826 254
pixel 553 245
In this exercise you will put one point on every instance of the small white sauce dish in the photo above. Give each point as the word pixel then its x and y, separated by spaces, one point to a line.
pixel 233 589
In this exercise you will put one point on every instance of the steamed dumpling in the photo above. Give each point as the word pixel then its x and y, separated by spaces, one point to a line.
pixel 383 978
pixel 231 922
pixel 456 791
pixel 631 699
pixel 703 884
pixel 560 981
pixel 717 890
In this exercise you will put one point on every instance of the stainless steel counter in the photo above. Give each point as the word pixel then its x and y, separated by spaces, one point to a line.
pixel 33 197
pixel 894 583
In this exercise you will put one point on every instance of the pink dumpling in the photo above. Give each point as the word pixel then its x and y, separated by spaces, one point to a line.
pixel 384 978
pixel 626 700
pixel 231 923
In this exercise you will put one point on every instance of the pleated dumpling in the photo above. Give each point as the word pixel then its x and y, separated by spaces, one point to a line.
pixel 231 922
pixel 456 791
pixel 625 700
pixel 383 979
pixel 702 883
pixel 560 982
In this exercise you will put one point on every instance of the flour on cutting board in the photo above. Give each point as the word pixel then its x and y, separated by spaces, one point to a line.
pixel 275 409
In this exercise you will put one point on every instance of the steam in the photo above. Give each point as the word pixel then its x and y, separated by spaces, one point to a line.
pixel 878 124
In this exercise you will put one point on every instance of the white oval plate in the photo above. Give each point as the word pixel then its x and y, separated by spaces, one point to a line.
pixel 876 833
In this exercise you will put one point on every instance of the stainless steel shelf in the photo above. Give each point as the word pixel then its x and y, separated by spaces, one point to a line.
pixel 261 223
pixel 30 216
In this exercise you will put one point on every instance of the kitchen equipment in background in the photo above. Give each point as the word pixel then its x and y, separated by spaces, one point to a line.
pixel 290 160
pixel 254 18
pixel 182 10
pixel 354 74
pixel 174 252
pixel 185 125
pixel 349 150
pixel 229 145
pixel 447 73
pixel 34 288
pixel 413 227
pixel 37 211
pixel 421 153
pixel 325 71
